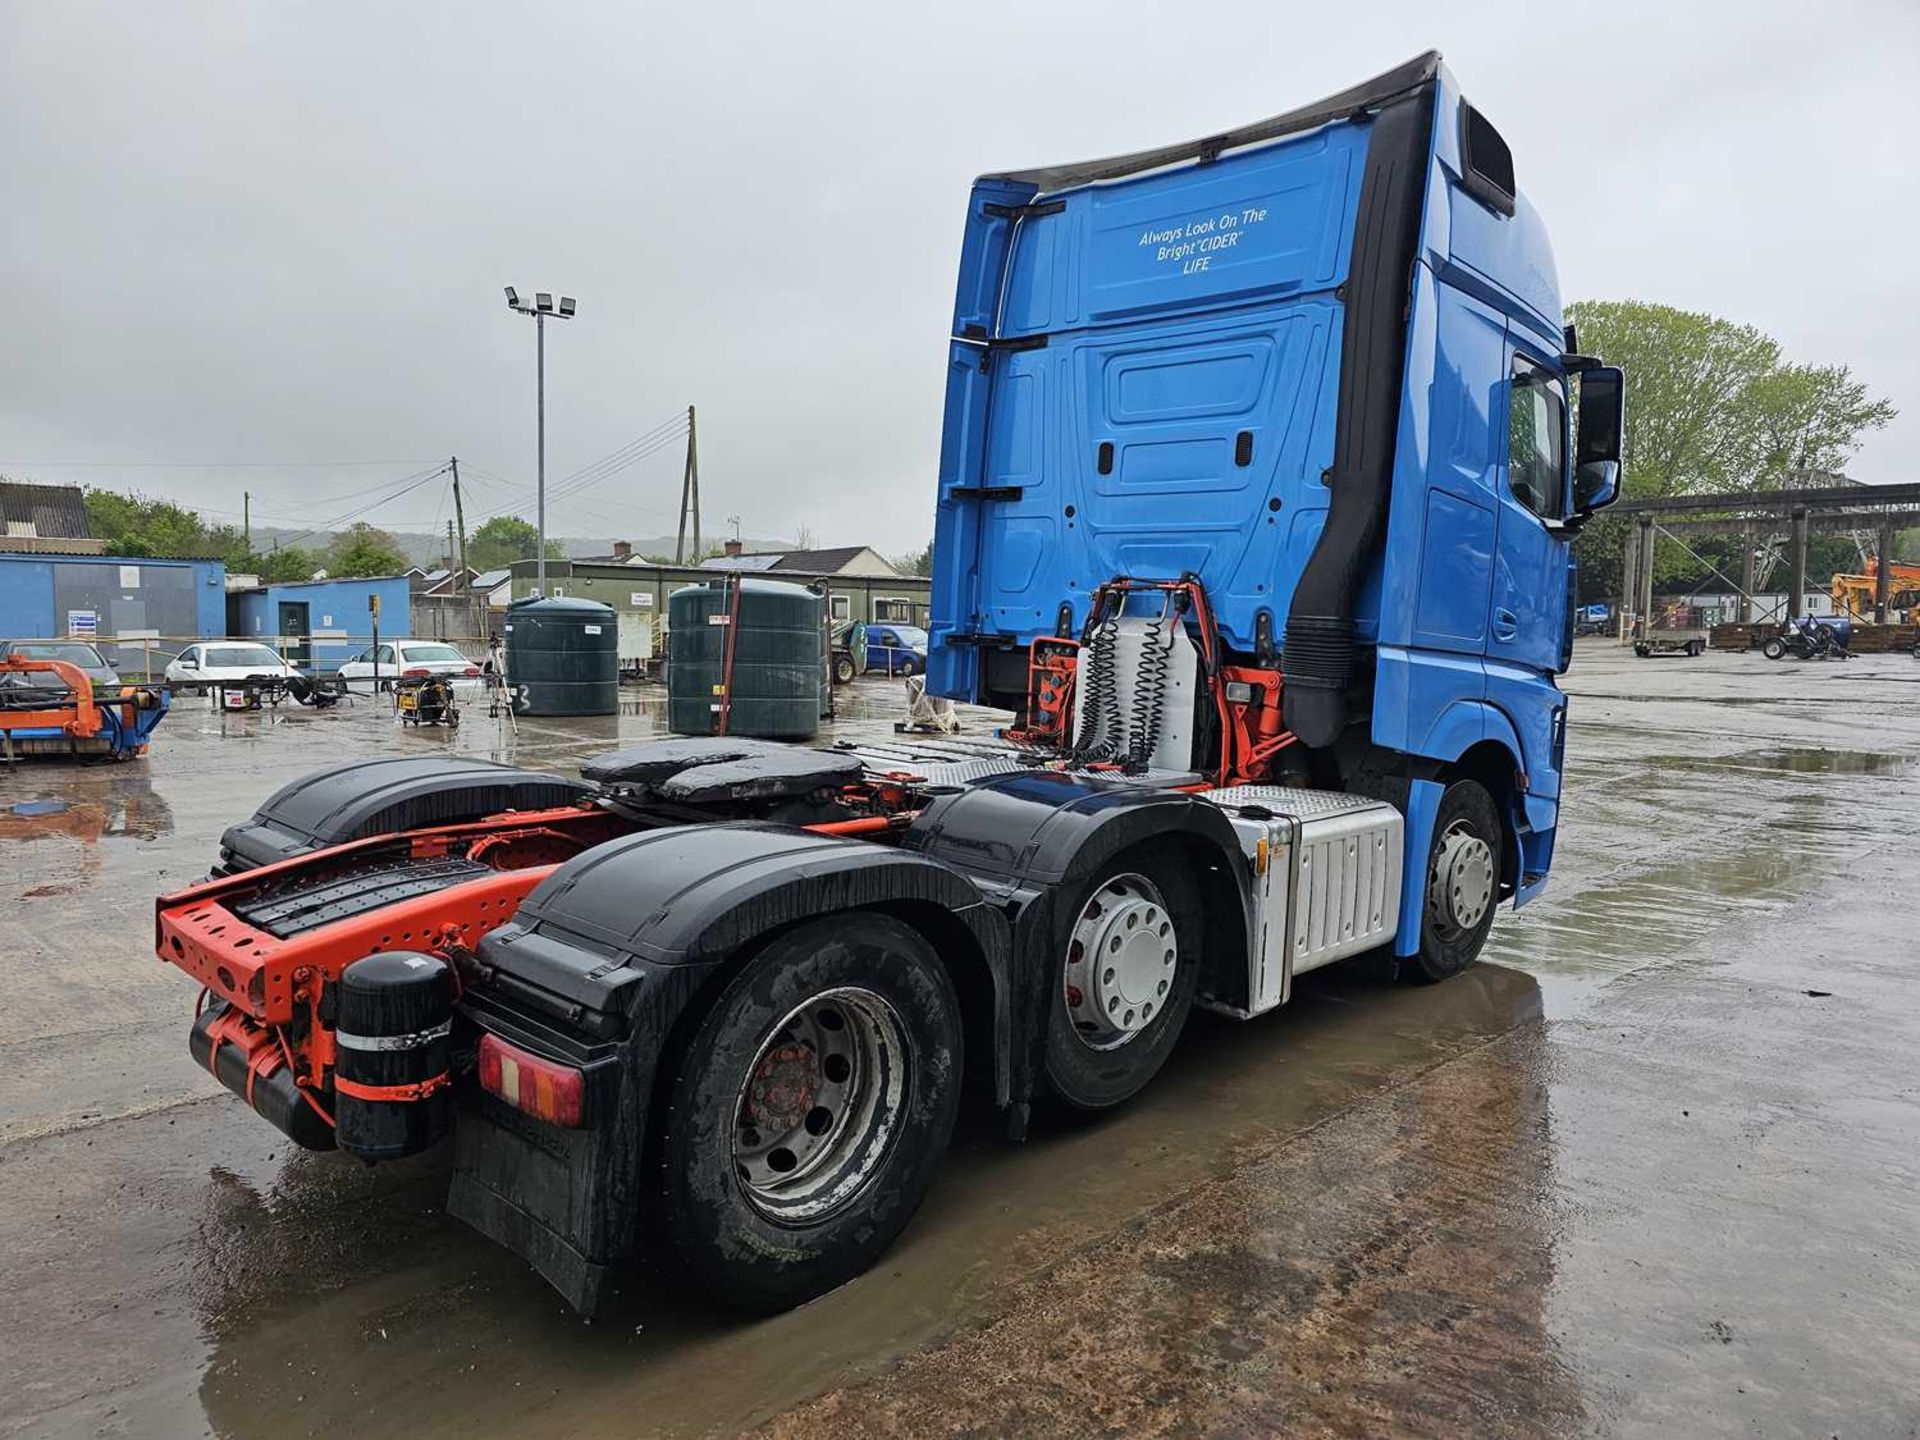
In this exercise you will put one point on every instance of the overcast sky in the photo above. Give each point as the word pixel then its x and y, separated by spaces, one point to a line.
pixel 276 232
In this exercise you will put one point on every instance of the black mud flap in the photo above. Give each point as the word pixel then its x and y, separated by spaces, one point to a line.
pixel 599 969
pixel 537 1190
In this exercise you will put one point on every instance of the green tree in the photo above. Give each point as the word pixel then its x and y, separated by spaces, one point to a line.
pixel 160 529
pixel 915 562
pixel 283 566
pixel 362 549
pixel 1808 417
pixel 505 539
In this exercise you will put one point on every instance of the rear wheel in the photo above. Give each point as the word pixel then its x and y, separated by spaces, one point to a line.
pixel 1694 648
pixel 1463 883
pixel 811 1111
pixel 1129 964
pixel 1774 649
pixel 843 669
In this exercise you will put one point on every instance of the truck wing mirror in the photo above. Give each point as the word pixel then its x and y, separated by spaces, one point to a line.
pixel 1596 447
pixel 1595 484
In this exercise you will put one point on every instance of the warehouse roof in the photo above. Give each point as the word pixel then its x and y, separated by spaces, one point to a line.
pixel 47 512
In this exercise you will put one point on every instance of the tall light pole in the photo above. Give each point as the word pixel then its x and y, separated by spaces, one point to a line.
pixel 541 310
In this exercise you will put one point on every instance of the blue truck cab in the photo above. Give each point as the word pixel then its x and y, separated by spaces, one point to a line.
pixel 1317 366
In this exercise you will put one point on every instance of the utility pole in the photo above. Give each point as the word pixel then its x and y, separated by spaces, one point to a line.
pixel 246 517
pixel 690 494
pixel 460 517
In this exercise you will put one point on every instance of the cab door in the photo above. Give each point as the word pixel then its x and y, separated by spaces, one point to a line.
pixel 1528 617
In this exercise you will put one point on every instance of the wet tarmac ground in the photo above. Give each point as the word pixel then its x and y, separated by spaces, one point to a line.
pixel 1651 1170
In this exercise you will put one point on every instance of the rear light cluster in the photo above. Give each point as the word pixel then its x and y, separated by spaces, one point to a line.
pixel 544 1090
pixel 471 670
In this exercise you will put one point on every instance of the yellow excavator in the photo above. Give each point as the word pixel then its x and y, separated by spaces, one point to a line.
pixel 1855 595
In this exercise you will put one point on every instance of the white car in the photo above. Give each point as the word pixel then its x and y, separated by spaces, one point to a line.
pixel 395 658
pixel 224 662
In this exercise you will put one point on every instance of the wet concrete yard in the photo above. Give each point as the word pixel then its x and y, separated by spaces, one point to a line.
pixel 1649 1171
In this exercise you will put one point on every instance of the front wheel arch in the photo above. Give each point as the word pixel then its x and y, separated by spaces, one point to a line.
pixel 1495 768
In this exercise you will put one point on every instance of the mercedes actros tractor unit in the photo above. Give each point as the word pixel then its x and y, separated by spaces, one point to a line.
pixel 1261 460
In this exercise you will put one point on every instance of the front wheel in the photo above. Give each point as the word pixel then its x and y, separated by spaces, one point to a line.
pixel 843 669
pixel 811 1111
pixel 1774 649
pixel 1463 883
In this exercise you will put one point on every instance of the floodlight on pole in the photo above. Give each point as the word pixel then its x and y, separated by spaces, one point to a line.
pixel 541 310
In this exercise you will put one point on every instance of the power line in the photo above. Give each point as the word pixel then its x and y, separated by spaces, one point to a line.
pixel 651 442
pixel 406 486
pixel 201 464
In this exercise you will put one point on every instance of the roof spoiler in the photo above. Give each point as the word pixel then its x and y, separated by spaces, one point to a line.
pixel 1367 95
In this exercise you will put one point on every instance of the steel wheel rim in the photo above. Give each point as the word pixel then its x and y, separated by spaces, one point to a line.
pixel 818 1110
pixel 1460 882
pixel 1122 956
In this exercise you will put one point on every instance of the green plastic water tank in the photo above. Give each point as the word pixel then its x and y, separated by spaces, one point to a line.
pixel 779 658
pixel 563 657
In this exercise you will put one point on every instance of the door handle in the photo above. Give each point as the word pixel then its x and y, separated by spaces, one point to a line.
pixel 1506 624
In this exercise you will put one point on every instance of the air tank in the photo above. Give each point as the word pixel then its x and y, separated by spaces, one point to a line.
pixel 563 657
pixel 777 635
pixel 391 1067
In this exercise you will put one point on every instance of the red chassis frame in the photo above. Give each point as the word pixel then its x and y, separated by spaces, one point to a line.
pixel 272 981
pixel 273 984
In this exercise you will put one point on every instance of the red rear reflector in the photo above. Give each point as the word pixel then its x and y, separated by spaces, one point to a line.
pixel 546 1091
pixel 472 670
pixel 417 670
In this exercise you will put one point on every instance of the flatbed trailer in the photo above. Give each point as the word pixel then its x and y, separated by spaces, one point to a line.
pixel 1691 642
pixel 1256 487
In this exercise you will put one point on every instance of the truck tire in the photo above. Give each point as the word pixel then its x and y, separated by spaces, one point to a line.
pixel 1463 883
pixel 1111 1027
pixel 1695 647
pixel 1774 649
pixel 843 669
pixel 811 1111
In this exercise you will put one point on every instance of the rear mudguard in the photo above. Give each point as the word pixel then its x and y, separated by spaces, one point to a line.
pixel 1031 839
pixel 607 966
pixel 378 797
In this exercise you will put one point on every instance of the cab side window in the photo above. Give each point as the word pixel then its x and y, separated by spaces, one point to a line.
pixel 1537 440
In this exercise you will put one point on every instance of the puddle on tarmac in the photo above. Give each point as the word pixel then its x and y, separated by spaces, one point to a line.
pixel 335 1302
pixel 1805 760
pixel 1764 824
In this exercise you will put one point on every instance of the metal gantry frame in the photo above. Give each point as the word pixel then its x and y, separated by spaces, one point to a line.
pixel 1755 514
